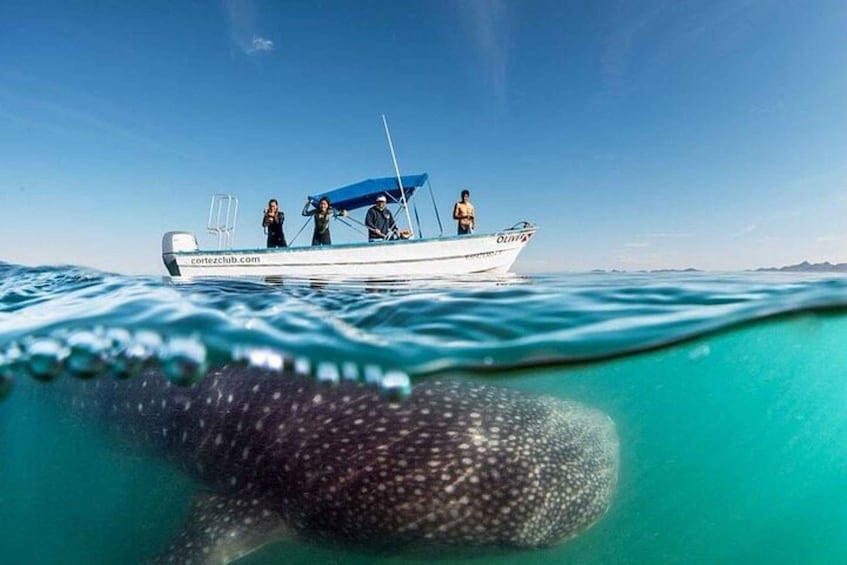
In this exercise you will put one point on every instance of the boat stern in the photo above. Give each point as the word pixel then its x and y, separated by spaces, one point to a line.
pixel 176 242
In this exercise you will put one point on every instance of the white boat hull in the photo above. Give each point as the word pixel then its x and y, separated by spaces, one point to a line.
pixel 458 255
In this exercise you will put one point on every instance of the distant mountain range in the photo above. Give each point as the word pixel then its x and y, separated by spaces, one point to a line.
pixel 618 271
pixel 806 267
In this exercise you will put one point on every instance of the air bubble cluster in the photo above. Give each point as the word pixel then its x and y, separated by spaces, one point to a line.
pixel 394 384
pixel 86 354
pixel 184 360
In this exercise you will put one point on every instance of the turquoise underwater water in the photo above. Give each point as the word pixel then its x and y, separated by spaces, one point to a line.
pixel 728 392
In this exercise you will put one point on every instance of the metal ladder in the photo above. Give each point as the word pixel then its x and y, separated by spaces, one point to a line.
pixel 223 212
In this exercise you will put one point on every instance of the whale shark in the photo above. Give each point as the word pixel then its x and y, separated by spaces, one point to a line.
pixel 456 465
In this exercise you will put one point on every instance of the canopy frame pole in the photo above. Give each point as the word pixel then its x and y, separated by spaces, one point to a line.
pixel 435 207
pixel 349 221
pixel 306 223
pixel 399 178
pixel 418 219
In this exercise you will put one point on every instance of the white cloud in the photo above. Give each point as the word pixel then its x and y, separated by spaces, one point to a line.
pixel 745 230
pixel 260 45
pixel 244 26
pixel 669 235
pixel 637 244
pixel 643 37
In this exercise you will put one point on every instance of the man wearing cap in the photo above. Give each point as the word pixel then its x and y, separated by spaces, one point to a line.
pixel 379 221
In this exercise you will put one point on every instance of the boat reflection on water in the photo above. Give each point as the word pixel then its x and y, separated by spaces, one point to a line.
pixel 469 282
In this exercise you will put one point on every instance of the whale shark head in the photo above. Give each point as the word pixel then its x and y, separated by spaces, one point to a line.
pixel 575 450
pixel 456 464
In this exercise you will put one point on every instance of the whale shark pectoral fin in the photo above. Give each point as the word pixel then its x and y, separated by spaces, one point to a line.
pixel 222 529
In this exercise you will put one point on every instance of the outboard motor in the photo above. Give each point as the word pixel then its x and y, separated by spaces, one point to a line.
pixel 176 242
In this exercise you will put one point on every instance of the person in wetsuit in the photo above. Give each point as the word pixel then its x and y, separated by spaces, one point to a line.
pixel 380 221
pixel 272 222
pixel 323 214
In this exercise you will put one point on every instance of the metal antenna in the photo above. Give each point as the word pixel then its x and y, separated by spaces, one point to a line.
pixel 399 178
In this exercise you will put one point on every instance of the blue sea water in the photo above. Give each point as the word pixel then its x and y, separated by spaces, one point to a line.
pixel 727 390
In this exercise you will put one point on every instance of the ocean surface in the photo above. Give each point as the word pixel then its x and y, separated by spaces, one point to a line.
pixel 728 391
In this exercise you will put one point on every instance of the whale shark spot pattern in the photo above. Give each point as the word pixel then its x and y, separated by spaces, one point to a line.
pixel 455 465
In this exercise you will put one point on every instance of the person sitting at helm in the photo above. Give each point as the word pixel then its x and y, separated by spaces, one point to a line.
pixel 380 221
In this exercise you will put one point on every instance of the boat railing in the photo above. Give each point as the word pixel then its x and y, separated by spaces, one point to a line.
pixel 223 212
pixel 521 226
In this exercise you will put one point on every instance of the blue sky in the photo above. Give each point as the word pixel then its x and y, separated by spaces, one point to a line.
pixel 635 134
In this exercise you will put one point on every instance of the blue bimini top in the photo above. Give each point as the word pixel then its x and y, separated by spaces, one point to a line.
pixel 361 194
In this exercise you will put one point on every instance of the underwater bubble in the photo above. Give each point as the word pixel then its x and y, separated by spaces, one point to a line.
pixel 14 354
pixel 259 358
pixel 139 352
pixel 373 374
pixel 395 385
pixel 327 373
pixel 117 339
pixel 12 366
pixel 267 359
pixel 128 364
pixel 302 367
pixel 125 367
pixel 275 361
pixel 45 358
pixel 6 380
pixel 700 351
pixel 243 355
pixel 184 360
pixel 145 344
pixel 349 371
pixel 87 354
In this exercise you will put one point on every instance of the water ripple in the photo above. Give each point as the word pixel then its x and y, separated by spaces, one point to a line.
pixel 420 327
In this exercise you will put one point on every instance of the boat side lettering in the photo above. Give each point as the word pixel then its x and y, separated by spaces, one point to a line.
pixel 483 254
pixel 226 260
pixel 512 237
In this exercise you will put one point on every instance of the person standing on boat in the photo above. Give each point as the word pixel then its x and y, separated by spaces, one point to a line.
pixel 463 212
pixel 379 221
pixel 323 214
pixel 272 222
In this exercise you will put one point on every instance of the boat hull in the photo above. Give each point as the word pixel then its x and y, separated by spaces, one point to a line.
pixel 444 256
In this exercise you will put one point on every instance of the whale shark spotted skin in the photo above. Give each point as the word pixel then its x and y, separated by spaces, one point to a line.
pixel 456 465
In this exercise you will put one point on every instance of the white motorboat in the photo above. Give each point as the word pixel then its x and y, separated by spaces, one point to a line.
pixel 400 257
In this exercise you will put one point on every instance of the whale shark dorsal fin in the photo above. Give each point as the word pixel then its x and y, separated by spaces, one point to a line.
pixel 222 529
